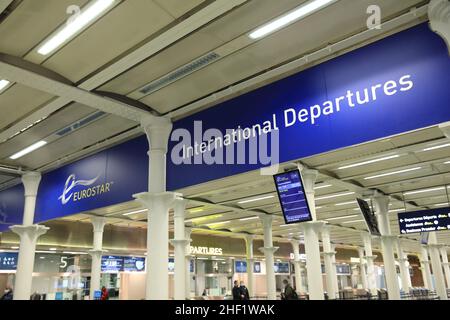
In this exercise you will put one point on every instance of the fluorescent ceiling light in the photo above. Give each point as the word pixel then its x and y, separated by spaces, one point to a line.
pixel 220 222
pixel 14 247
pixel 368 162
pixel 345 203
pixel 195 210
pixel 423 190
pixel 335 195
pixel 294 15
pixel 29 149
pixel 392 173
pixel 343 217
pixel 285 225
pixel 199 219
pixel 353 221
pixel 397 210
pixel 250 218
pixel 70 29
pixel 73 252
pixel 3 84
pixel 441 204
pixel 437 147
pixel 52 249
pixel 134 212
pixel 256 199
pixel 323 186
pixel 447 162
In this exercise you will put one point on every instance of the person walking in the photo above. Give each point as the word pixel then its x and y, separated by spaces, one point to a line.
pixel 8 294
pixel 289 292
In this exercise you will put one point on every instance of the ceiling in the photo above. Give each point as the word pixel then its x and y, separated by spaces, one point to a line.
pixel 140 42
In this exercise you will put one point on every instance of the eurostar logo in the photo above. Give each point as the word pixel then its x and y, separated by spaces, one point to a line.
pixel 69 194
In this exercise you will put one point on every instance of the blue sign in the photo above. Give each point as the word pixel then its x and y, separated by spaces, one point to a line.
pixel 112 263
pixel 424 221
pixel 58 296
pixel 281 267
pixel 11 206
pixel 106 178
pixel 292 197
pixel 133 264
pixel 358 97
pixel 191 266
pixel 97 295
pixel 8 260
pixel 240 266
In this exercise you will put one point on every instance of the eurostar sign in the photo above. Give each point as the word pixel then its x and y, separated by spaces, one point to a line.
pixel 206 251
pixel 69 195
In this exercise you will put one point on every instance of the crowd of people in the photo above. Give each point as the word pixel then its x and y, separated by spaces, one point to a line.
pixel 240 291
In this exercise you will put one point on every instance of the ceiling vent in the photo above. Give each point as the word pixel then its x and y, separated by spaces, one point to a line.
pixel 179 73
pixel 80 123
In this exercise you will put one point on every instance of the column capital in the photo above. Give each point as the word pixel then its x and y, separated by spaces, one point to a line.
pixel 149 199
pixel 370 257
pixel 33 231
pixel 31 180
pixel 97 253
pixel 187 232
pixel 309 178
pixel 328 253
pixel 182 242
pixel 268 249
pixel 157 130
pixel 98 223
pixel 179 206
pixel 381 203
pixel 445 263
pixel 249 237
pixel 439 17
pixel 295 242
pixel 313 225
pixel 266 218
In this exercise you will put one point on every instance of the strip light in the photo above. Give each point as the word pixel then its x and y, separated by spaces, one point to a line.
pixel 216 223
pixel 250 218
pixel 289 18
pixel 29 149
pixel 345 203
pixel 397 210
pixel 70 29
pixel 134 212
pixel 3 84
pixel 255 199
pixel 437 147
pixel 368 162
pixel 441 204
pixel 323 186
pixel 447 162
pixel 424 190
pixel 334 195
pixel 343 217
pixel 353 221
pixel 392 173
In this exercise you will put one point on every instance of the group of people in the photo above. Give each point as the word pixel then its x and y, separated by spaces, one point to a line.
pixel 240 291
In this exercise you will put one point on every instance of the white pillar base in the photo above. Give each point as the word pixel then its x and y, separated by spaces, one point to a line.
pixel 371 276
pixel 390 271
pixel 330 270
pixel 158 204
pixel 180 266
pixel 96 271
pixel 24 274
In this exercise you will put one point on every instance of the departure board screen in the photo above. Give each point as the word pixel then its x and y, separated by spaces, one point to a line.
pixel 292 197
pixel 424 220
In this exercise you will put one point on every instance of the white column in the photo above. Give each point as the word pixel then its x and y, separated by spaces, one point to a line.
pixel 370 258
pixel 28 233
pixel 404 269
pixel 188 257
pixel 437 267
pixel 268 251
pixel 425 267
pixel 179 242
pixel 158 202
pixel 387 246
pixel 311 231
pixel 250 262
pixel 330 267
pixel 298 266
pixel 335 279
pixel 445 265
pixel 362 268
pixel 98 224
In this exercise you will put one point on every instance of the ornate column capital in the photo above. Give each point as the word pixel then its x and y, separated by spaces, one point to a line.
pixel 31 180
pixel 157 130
pixel 33 231
pixel 98 223
pixel 439 17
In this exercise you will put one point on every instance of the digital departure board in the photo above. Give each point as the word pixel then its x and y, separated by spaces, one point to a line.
pixel 112 264
pixel 424 220
pixel 8 260
pixel 133 264
pixel 240 266
pixel 369 216
pixel 292 197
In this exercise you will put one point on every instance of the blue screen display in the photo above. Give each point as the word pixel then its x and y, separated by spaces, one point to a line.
pixel 133 264
pixel 424 220
pixel 257 267
pixel 241 266
pixel 8 260
pixel 112 264
pixel 292 197
pixel 281 267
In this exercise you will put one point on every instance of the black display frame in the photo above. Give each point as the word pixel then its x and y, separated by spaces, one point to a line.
pixel 303 189
pixel 369 224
